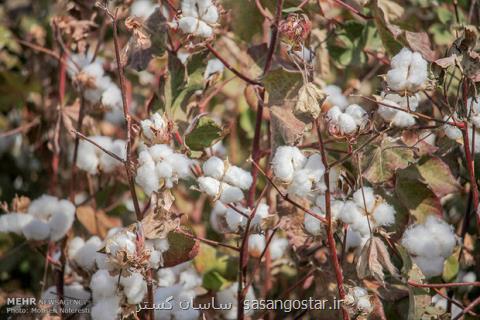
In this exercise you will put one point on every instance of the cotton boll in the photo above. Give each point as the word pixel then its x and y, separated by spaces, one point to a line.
pixel 312 225
pixel 260 214
pixel 94 70
pixel 402 59
pixel 431 266
pixel 87 159
pixel 385 112
pixel 397 78
pixel 214 167
pixel 285 161
pixel 230 194
pixel 181 165
pixel 134 287
pixel 353 240
pixel 190 279
pixel 347 123
pixel 336 208
pixel 164 170
pixel 365 198
pixel 238 177
pixel 256 245
pixel 451 132
pixel 112 97
pixel 85 257
pixel 217 215
pixel 160 152
pixel 334 114
pixel 335 96
pixel 420 242
pixel 315 166
pixel 14 222
pixel 122 240
pixel 147 179
pixel 106 309
pixel 107 162
pixel 103 285
pixel 443 233
pixel 418 71
pixel 364 305
pixel 166 277
pixel 43 207
pixel 36 229
pixel 362 225
pixel 209 12
pixel 277 248
pixel 301 184
pixel 384 214
pixel 403 120
pixel 350 212
pixel 234 219
pixel 74 245
pixel 357 113
pixel 142 8
pixel 209 185
pixel 161 245
pixel 213 66
pixel 60 223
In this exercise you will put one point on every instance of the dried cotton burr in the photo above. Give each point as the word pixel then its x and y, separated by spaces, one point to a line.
pixel 430 243
pixel 198 18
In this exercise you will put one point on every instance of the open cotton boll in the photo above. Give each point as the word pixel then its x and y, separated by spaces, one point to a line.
pixel 146 178
pixel 36 230
pixel 103 285
pixel 402 59
pixel 418 71
pixel 181 165
pixel 85 257
pixel 256 245
pixel 106 309
pixel 277 248
pixel 315 166
pixel 350 212
pixel 209 185
pixel 431 266
pixel 134 287
pixel 364 305
pixel 384 214
pixel 230 194
pixel 347 123
pixel 160 152
pixel 87 159
pixel 302 183
pixel 164 170
pixel 214 167
pixel 166 277
pixel 397 78
pixel 112 97
pixel 403 120
pixel 238 177
pixel 156 123
pixel 286 160
pixel 335 96
pixel 353 240
pixel 74 245
pixel 142 8
pixel 217 217
pixel 14 222
pixel 195 26
pixel 190 279
pixel 214 66
pixel 62 220
pixel 357 113
pixel 362 224
pixel 365 198
pixel 334 114
pixel 443 233
pixel 43 207
pixel 260 214
pixel 234 219
pixel 336 207
pixel 117 147
pixel 418 241
pixel 121 241
pixel 312 225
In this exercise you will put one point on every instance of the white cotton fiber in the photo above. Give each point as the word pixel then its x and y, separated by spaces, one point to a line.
pixel 443 233
pixel 409 71
pixel 350 212
pixel 384 214
pixel 85 256
pixel 43 207
pixel 134 287
pixel 362 224
pixel 234 219
pixel 14 222
pixel 286 160
pixel 209 185
pixel 238 177
pixel 260 214
pixel 36 230
pixel 166 277
pixel 451 132
pixel 335 96
pixel 112 97
pixel 397 78
pixel 358 114
pixel 122 240
pixel 347 123
pixel 277 248
pixel 142 8
pixel 164 169
pixel 103 285
pixel 256 245
pixel 214 167
pixel 214 66
pixel 403 120
pixel 353 240
pixel 87 159
pixel 301 184
pixel 106 309
pixel 334 114
pixel 430 266
pixel 312 225
pixel 190 279
pixel 229 296
pixel 160 152
pixel 230 193
pixel 74 245
pixel 146 178
pixel 418 70
pixel 61 220
pixel 363 304
pixel 365 198
pixel 315 167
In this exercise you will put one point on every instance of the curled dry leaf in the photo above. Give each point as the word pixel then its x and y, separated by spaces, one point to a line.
pixel 96 222
pixel 310 100
pixel 160 220
pixel 374 258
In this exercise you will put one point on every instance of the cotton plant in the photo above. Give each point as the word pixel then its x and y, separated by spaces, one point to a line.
pixel 155 129
pixel 408 73
pixel 223 181
pixel 47 218
pixel 347 122
pixel 430 244
pixel 160 166
pixel 93 160
pixel 198 18
pixel 395 116
pixel 366 211
pixel 227 219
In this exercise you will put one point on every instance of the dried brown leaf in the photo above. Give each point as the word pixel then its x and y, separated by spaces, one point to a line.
pixel 374 258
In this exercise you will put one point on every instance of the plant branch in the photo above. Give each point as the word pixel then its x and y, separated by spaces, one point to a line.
pixel 274 37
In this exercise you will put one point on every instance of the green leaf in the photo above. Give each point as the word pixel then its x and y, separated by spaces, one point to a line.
pixel 386 158
pixel 292 10
pixel 282 84
pixel 415 195
pixel 438 176
pixel 450 268
pixel 213 280
pixel 204 134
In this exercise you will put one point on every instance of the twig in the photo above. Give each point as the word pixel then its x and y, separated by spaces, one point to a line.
pixel 23 128
pixel 207 241
pixel 274 37
pixel 328 213
pixel 111 154
pixel 443 285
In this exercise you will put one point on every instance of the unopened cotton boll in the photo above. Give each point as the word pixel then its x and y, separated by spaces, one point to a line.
pixel 277 248
pixel 384 214
pixel 134 287
pixel 14 222
pixel 365 198
pixel 106 309
pixel 214 167
pixel 103 285
pixel 209 185
pixel 238 177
